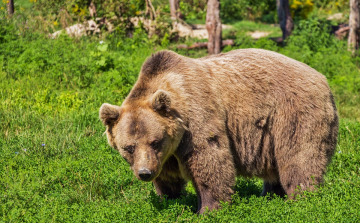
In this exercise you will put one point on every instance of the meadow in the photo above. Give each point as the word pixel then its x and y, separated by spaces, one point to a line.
pixel 56 164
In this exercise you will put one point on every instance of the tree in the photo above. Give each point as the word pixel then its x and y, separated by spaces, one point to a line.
pixel 213 26
pixel 174 9
pixel 353 41
pixel 285 20
pixel 10 7
pixel 92 9
pixel 150 11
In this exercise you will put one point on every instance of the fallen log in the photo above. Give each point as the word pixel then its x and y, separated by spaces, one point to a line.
pixel 341 31
pixel 228 42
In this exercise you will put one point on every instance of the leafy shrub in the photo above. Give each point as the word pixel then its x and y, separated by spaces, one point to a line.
pixel 249 10
pixel 301 8
pixel 193 9
pixel 313 33
pixel 331 6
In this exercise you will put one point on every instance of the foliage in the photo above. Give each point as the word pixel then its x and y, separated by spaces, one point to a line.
pixel 48 16
pixel 301 8
pixel 255 10
pixel 304 9
pixel 195 10
pixel 78 9
pixel 314 34
pixel 331 6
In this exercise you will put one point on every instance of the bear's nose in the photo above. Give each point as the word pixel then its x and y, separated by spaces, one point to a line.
pixel 144 174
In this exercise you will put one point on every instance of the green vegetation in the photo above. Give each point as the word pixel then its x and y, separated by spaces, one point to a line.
pixel 245 26
pixel 56 164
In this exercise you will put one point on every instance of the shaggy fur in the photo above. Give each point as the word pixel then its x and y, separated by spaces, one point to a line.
pixel 248 112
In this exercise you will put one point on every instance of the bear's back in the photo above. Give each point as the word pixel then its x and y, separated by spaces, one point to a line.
pixel 260 65
pixel 256 77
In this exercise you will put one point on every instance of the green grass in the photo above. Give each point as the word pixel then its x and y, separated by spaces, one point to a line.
pixel 250 26
pixel 77 177
pixel 50 93
pixel 245 27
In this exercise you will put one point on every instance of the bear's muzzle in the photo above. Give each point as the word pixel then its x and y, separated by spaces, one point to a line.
pixel 145 174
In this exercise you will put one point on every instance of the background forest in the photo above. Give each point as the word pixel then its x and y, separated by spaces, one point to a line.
pixel 55 162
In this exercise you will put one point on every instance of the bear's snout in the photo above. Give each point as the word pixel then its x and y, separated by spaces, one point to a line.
pixel 144 174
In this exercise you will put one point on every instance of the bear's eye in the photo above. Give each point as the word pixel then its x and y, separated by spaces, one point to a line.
pixel 130 149
pixel 155 144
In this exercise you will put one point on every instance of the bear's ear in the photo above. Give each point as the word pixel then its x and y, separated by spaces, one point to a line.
pixel 161 101
pixel 109 113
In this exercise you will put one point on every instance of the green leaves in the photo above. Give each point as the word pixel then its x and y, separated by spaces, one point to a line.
pixel 103 47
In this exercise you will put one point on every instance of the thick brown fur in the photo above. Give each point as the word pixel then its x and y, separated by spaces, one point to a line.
pixel 248 112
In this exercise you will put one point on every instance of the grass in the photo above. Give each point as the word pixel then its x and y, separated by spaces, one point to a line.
pixel 245 27
pixel 75 176
pixel 56 164
pixel 250 26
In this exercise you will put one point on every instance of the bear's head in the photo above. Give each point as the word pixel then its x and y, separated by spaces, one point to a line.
pixel 146 132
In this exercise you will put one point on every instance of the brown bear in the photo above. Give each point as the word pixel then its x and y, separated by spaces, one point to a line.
pixel 248 112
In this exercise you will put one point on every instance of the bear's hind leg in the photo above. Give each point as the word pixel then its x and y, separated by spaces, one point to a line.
pixel 273 188
pixel 294 180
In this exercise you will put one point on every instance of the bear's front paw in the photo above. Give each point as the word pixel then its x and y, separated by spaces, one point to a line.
pixel 208 208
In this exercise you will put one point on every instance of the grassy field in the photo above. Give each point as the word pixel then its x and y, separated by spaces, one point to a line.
pixel 249 26
pixel 56 165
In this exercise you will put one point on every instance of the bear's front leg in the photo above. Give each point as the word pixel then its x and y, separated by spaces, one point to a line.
pixel 172 188
pixel 170 182
pixel 213 173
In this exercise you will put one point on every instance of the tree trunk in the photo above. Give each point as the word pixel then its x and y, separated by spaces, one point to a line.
pixel 353 41
pixel 174 9
pixel 150 11
pixel 285 20
pixel 92 9
pixel 213 26
pixel 10 7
